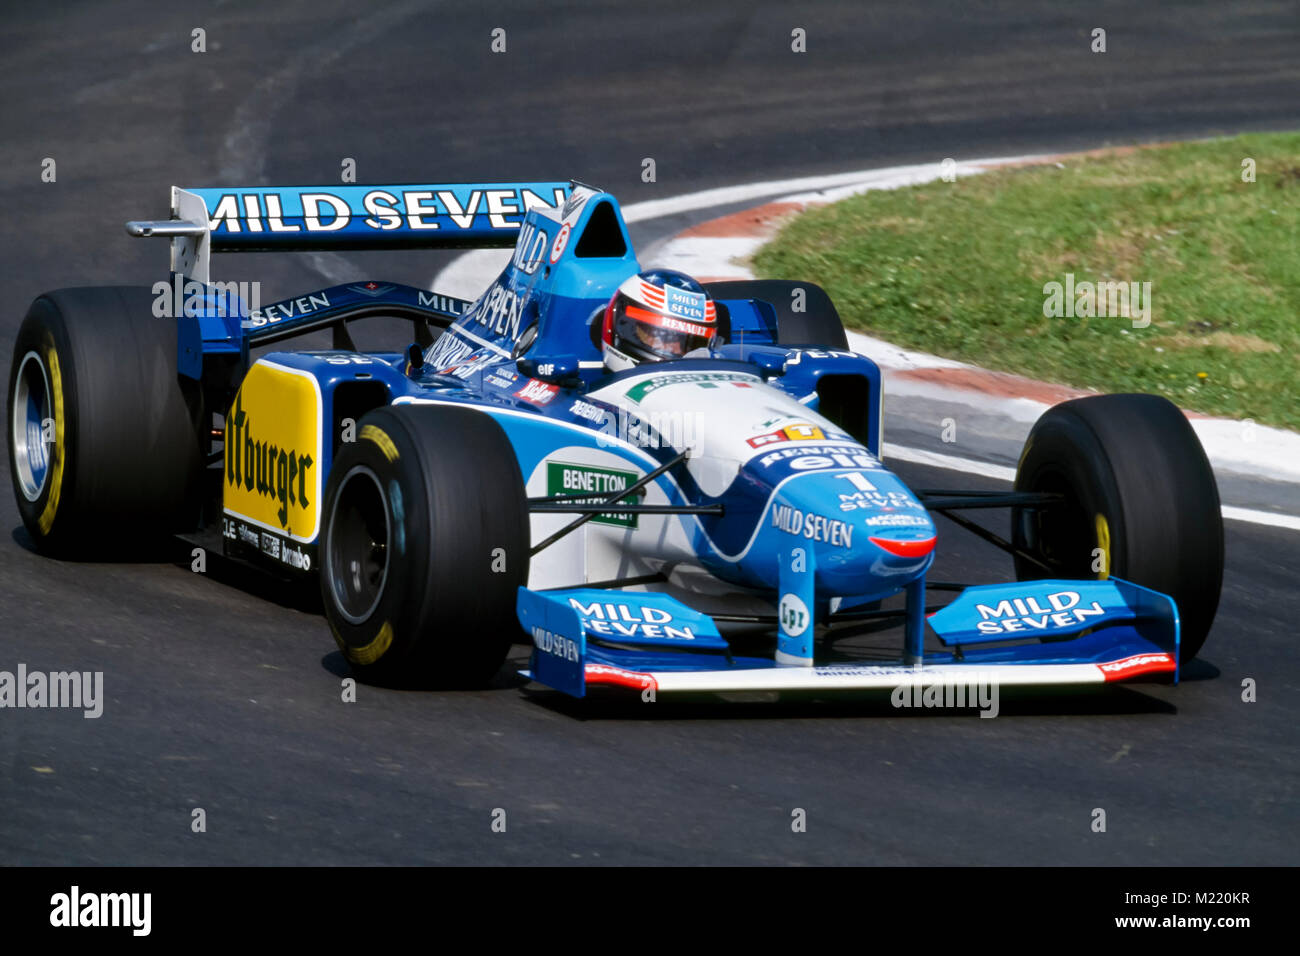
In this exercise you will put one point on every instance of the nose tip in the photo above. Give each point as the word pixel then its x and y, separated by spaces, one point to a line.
pixel 905 547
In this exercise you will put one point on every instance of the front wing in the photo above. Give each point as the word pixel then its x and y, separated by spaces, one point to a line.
pixel 1096 632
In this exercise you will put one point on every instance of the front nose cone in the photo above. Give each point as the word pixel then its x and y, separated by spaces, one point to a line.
pixel 868 532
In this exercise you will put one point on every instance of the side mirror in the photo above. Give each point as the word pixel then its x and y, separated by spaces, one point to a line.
pixel 771 362
pixel 555 369
pixel 414 359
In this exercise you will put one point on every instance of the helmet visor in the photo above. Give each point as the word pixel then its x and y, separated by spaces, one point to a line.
pixel 653 333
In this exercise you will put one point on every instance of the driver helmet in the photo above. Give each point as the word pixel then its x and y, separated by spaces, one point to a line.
pixel 657 316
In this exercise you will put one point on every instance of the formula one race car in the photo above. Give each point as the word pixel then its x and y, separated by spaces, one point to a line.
pixel 714 520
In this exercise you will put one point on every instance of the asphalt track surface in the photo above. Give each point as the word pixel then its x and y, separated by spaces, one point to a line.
pixel 226 696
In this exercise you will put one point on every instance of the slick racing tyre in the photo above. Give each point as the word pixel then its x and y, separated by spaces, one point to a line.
pixel 424 545
pixel 817 324
pixel 1141 503
pixel 104 451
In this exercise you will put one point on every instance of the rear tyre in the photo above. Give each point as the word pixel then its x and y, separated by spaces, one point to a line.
pixel 817 324
pixel 1143 504
pixel 424 545
pixel 104 450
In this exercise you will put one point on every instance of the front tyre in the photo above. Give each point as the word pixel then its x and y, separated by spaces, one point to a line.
pixel 424 544
pixel 1141 503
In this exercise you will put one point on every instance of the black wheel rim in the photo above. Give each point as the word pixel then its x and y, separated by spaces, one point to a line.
pixel 359 536
pixel 1063 536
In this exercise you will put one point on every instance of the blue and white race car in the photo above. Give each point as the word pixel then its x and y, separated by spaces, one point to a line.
pixel 661 485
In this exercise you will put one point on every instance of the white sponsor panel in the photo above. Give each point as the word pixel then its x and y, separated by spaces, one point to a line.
pixel 614 619
pixel 443 303
pixel 812 526
pixel 292 309
pixel 1027 614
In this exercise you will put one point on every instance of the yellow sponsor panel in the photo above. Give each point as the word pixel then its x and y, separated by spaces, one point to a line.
pixel 273 452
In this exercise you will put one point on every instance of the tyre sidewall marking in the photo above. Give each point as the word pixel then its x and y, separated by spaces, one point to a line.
pixel 369 653
pixel 54 478
pixel 380 437
pixel 1103 544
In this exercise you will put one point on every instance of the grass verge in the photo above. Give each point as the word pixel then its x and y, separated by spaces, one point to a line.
pixel 963 270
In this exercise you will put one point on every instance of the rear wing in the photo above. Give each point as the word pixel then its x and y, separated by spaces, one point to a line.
pixel 310 218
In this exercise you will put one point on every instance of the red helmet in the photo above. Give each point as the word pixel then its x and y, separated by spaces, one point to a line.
pixel 657 316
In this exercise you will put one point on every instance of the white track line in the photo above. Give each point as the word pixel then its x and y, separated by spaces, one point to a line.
pixel 807 188
pixel 934 459
pixel 1291 522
